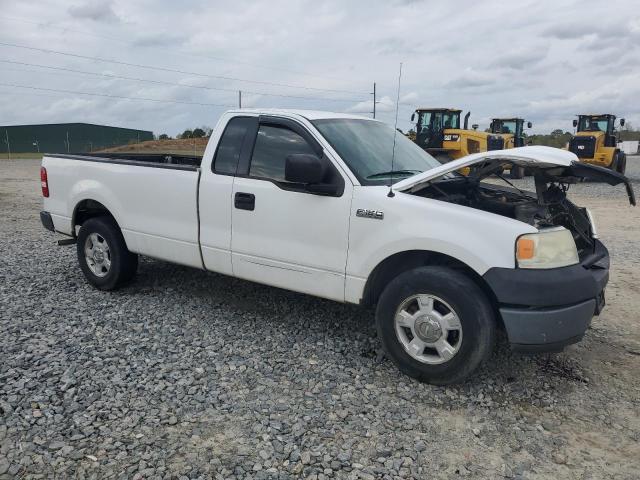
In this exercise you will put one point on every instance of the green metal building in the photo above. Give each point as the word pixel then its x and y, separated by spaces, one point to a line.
pixel 66 137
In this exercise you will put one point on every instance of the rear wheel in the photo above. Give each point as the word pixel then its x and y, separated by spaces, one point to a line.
pixel 436 324
pixel 103 255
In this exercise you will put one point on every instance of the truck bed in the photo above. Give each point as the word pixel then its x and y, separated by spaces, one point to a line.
pixel 156 160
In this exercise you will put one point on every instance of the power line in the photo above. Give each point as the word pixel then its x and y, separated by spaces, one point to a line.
pixel 133 44
pixel 75 92
pixel 162 82
pixel 172 70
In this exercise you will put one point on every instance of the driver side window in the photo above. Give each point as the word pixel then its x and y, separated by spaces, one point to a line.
pixel 273 145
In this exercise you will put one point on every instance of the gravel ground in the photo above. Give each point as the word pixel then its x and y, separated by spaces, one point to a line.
pixel 186 374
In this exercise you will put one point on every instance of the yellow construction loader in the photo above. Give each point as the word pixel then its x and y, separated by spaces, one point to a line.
pixel 595 141
pixel 438 132
pixel 508 133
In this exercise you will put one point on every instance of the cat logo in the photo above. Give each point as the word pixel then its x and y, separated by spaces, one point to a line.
pixel 365 213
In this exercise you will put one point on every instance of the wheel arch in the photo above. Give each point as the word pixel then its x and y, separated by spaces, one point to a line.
pixel 89 208
pixel 400 262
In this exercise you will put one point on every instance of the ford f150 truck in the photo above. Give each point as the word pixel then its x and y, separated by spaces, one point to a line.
pixel 340 207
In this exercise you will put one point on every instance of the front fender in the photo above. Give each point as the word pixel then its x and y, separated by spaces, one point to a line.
pixel 478 239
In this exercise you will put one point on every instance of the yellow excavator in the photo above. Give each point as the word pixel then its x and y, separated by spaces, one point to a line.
pixel 595 141
pixel 508 133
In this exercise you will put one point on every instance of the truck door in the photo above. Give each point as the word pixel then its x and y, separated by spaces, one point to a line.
pixel 283 235
pixel 216 190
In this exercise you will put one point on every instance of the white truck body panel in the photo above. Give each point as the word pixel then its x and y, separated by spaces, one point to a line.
pixel 479 239
pixel 155 207
pixel 307 243
pixel 292 240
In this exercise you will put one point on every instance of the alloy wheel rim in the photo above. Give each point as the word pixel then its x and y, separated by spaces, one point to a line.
pixel 97 254
pixel 428 328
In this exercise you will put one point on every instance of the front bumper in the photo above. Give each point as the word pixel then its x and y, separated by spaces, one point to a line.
pixel 545 310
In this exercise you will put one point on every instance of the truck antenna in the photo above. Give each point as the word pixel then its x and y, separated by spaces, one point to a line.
pixel 395 133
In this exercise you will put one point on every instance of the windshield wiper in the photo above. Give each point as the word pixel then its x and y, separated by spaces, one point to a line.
pixel 394 172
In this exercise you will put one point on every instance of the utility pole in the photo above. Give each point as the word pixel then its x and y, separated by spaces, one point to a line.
pixel 6 134
pixel 239 98
pixel 68 147
pixel 374 99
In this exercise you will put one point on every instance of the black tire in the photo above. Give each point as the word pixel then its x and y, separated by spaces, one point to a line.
pixel 621 166
pixel 614 162
pixel 516 171
pixel 124 264
pixel 468 301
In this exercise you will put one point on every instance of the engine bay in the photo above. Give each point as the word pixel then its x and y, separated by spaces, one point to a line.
pixel 547 207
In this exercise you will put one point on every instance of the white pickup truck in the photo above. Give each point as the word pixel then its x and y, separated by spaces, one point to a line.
pixel 313 202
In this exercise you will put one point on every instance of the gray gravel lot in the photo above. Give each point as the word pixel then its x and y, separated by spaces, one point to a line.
pixel 186 374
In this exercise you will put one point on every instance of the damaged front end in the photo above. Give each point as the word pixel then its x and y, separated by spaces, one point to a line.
pixel 485 188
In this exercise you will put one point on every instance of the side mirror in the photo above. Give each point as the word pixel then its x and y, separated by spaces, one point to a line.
pixel 622 122
pixel 413 116
pixel 529 124
pixel 575 123
pixel 304 168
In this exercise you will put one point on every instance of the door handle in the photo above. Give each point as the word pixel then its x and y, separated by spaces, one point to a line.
pixel 244 201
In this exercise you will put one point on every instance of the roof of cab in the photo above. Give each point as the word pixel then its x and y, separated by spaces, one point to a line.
pixel 308 114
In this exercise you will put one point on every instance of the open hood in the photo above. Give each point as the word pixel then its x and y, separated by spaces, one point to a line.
pixel 556 165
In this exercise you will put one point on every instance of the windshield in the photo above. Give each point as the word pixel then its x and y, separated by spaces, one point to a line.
pixel 428 120
pixel 366 146
pixel 506 126
pixel 593 124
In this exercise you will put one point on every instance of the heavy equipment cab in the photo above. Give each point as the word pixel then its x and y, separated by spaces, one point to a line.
pixel 438 131
pixel 595 141
pixel 432 123
pixel 512 131
pixel 508 133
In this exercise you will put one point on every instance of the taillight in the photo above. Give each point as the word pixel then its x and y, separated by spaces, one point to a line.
pixel 44 182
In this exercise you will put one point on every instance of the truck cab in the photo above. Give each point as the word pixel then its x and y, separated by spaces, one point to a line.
pixel 595 141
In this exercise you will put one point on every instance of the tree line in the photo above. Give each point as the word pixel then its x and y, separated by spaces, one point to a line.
pixel 198 132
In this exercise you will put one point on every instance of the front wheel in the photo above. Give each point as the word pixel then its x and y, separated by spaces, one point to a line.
pixel 436 324
pixel 621 163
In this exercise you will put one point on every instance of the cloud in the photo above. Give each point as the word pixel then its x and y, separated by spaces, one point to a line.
pixel 97 10
pixel 521 59
pixel 410 97
pixel 471 79
pixel 383 104
pixel 503 60
pixel 159 40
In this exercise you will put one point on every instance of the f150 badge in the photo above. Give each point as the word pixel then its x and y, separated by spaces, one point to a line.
pixel 366 213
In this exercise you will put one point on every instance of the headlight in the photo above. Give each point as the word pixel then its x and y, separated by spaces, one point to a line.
pixel 549 248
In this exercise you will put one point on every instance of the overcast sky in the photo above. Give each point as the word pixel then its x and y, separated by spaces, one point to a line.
pixel 542 60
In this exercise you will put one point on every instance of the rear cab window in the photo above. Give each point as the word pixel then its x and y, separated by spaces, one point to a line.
pixel 232 144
